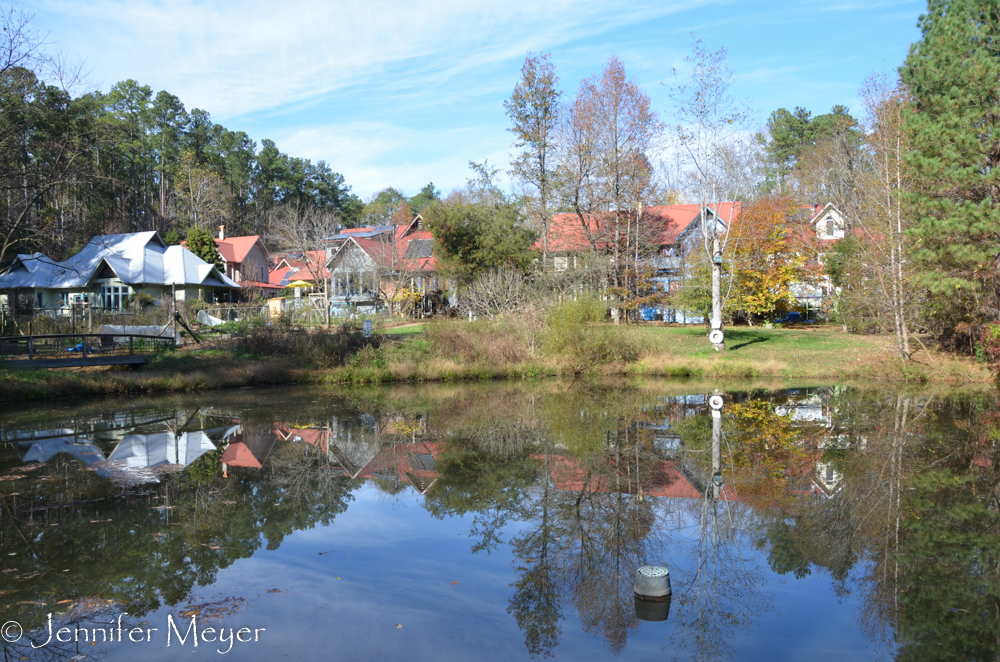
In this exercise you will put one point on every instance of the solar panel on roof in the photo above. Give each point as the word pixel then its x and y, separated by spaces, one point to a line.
pixel 419 248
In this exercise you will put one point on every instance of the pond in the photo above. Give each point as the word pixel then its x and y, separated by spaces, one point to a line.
pixel 504 522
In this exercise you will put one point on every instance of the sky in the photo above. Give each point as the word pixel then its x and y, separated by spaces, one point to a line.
pixel 409 92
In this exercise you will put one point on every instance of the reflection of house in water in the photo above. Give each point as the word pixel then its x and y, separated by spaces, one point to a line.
pixel 125 444
pixel 673 409
pixel 357 448
pixel 664 479
pixel 805 406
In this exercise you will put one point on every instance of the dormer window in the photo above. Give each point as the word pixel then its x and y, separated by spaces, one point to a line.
pixel 829 226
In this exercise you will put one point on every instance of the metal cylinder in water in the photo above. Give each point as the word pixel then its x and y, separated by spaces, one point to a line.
pixel 652 610
pixel 652 582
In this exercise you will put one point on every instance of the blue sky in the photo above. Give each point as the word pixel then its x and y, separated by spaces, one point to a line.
pixel 402 93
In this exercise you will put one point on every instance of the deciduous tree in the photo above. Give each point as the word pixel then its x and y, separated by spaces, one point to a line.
pixel 533 110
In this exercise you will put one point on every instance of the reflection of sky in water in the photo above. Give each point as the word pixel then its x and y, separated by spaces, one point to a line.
pixel 396 563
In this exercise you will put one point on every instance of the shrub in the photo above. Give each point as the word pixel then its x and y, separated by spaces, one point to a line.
pixel 501 341
pixel 988 348
pixel 573 335
pixel 322 349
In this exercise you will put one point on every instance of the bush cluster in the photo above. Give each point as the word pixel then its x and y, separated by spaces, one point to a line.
pixel 323 349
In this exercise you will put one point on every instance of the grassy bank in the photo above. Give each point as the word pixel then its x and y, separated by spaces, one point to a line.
pixel 518 348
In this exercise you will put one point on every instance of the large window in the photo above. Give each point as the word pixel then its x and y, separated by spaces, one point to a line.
pixel 113 297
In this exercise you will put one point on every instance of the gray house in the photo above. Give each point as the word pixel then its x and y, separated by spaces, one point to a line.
pixel 112 267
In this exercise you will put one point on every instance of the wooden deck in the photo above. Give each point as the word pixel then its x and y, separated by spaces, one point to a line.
pixel 74 350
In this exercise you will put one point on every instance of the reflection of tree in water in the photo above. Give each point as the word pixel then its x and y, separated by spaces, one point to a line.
pixel 587 528
pixel 721 595
pixel 149 545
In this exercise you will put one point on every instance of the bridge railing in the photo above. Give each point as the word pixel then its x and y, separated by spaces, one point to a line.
pixel 80 345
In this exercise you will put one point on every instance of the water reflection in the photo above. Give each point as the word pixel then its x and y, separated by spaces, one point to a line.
pixel 893 497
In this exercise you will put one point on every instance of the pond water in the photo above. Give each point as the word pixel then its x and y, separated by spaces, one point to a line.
pixel 503 522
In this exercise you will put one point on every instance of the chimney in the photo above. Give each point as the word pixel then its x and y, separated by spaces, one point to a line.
pixel 222 232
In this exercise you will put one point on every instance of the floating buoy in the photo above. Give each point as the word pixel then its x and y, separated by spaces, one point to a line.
pixel 652 582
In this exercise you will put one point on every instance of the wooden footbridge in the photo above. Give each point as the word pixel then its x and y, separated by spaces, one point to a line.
pixel 74 350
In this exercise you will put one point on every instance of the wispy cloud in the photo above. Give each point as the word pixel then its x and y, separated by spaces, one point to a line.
pixel 400 93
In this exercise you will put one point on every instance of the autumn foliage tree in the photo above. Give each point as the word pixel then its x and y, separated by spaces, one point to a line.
pixel 765 263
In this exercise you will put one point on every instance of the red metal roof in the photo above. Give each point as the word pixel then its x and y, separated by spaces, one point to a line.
pixel 235 249
pixel 239 455
pixel 567 233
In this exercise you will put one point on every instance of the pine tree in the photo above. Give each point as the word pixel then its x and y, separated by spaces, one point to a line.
pixel 954 131
pixel 201 243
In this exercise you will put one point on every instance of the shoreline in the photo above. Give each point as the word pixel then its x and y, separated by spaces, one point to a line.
pixel 193 370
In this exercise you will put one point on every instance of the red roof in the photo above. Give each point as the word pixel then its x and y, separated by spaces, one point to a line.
pixel 235 249
pixel 666 479
pixel 239 455
pixel 257 283
pixel 381 249
pixel 569 234
pixel 304 272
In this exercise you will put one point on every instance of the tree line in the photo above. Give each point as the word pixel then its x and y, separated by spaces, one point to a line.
pixel 76 165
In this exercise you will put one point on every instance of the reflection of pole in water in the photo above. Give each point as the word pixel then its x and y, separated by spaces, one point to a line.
pixel 716 402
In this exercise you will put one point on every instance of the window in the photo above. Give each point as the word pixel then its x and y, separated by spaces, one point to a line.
pixel 113 297
pixel 829 226
pixel 41 300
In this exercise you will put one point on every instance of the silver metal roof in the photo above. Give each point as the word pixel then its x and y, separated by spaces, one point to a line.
pixel 138 258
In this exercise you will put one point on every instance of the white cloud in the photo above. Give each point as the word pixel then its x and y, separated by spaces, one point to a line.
pixel 242 57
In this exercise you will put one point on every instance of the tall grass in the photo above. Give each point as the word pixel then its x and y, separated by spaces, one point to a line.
pixel 574 335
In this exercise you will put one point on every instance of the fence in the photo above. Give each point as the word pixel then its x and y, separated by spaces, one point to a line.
pixel 82 348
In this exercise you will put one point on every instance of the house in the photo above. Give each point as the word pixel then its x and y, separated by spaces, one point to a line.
pixel 828 223
pixel 111 268
pixel 246 261
pixel 369 264
pixel 670 236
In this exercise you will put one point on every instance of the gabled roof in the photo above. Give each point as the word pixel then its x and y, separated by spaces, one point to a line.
pixel 235 249
pixel 138 258
pixel 414 250
pixel 665 224
pixel 301 262
pixel 369 231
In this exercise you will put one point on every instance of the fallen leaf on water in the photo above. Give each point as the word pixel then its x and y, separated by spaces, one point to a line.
pixel 193 612
pixel 23 659
pixel 32 602
pixel 62 602
pixel 6 570
pixel 229 503
pixel 93 643
pixel 398 626
pixel 274 590
pixel 163 507
pixel 12 477
pixel 77 658
pixel 454 582
pixel 338 577
pixel 99 521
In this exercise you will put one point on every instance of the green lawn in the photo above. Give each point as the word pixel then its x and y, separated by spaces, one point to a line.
pixel 404 330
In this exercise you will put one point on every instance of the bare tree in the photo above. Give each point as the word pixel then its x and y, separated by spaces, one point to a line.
pixel 306 230
pixel 880 209
pixel 495 292
pixel 711 131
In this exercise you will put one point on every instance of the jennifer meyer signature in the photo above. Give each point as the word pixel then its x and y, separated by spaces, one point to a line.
pixel 11 631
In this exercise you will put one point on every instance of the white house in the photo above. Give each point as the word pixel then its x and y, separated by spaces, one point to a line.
pixel 828 223
pixel 112 267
